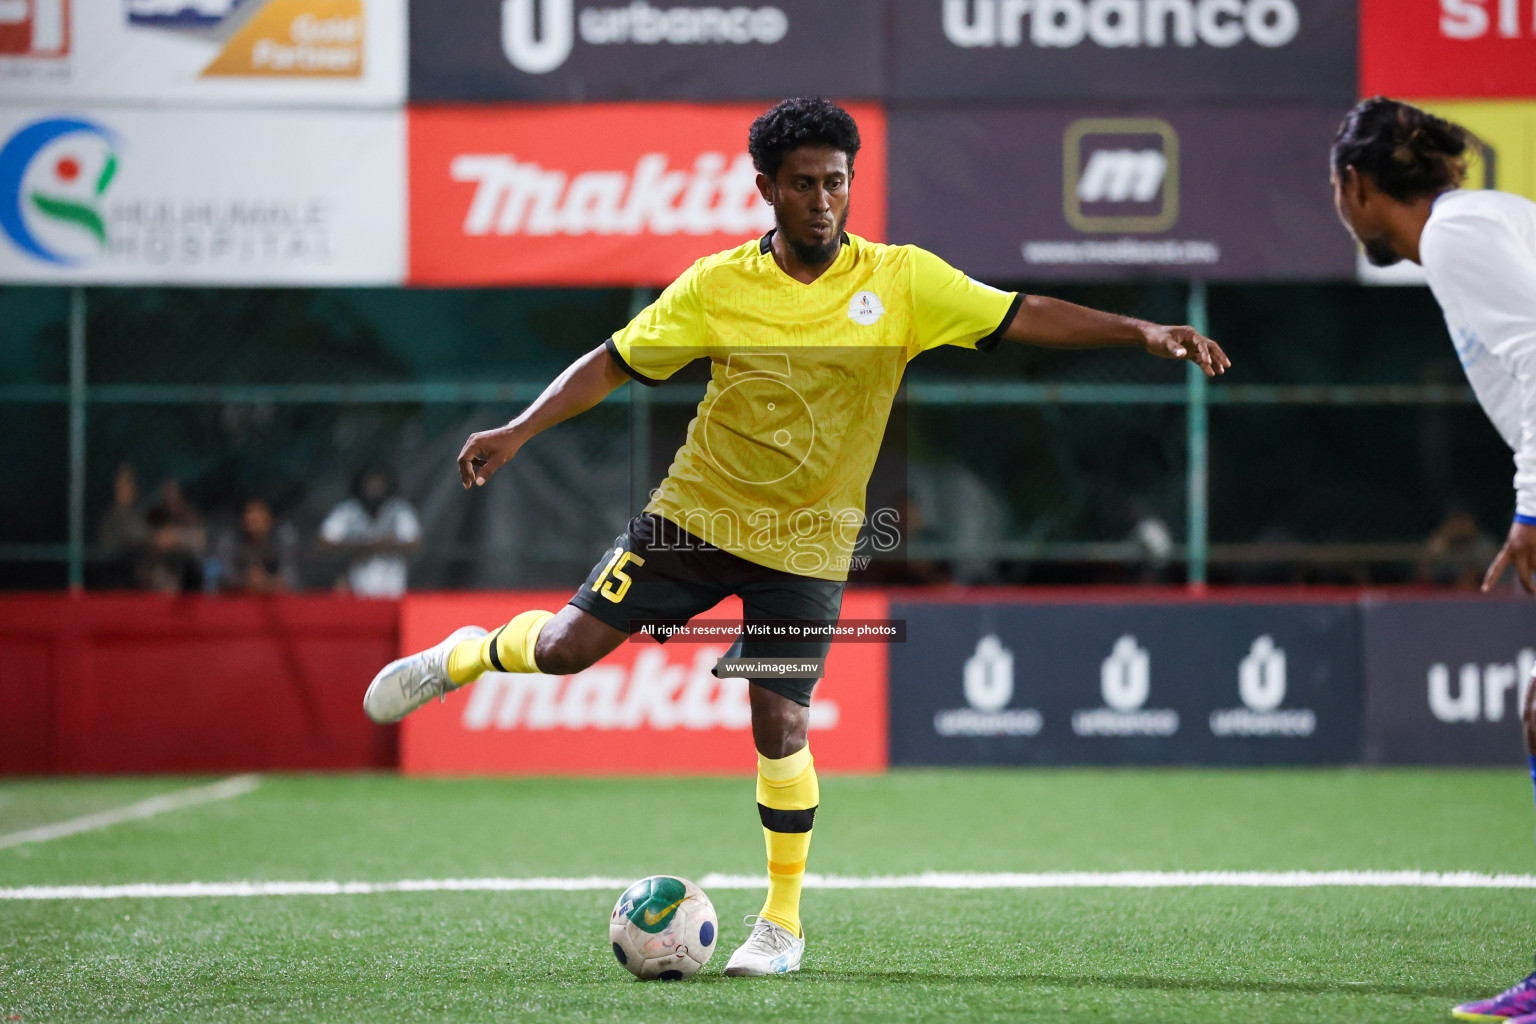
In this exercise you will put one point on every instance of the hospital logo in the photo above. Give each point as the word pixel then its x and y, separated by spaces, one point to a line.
pixel 53 176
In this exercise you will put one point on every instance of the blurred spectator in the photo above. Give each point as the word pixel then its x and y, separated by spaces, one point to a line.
pixel 1457 553
pixel 260 555
pixel 174 559
pixel 914 527
pixel 124 534
pixel 952 509
pixel 375 530
pixel 1154 543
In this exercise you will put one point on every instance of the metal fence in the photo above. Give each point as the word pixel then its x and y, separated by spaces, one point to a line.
pixel 89 405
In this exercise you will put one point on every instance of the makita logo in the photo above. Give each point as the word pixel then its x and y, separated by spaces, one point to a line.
pixel 536 35
pixel 652 693
pixel 1120 23
pixel 1122 176
pixel 717 196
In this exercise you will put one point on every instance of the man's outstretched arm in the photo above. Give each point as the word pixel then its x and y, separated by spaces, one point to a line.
pixel 1052 323
pixel 584 383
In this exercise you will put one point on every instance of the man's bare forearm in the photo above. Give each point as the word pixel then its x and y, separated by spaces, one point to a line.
pixel 1053 323
pixel 583 384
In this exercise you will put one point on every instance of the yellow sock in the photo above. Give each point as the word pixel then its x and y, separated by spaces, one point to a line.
pixel 508 649
pixel 787 796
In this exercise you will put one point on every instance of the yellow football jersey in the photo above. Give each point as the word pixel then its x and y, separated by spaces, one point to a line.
pixel 777 459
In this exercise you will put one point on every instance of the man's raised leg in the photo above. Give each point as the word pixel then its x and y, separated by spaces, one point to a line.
pixel 558 643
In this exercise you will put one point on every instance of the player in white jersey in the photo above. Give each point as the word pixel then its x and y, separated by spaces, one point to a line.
pixel 1397 177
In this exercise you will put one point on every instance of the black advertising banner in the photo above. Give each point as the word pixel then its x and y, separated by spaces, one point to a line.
pixel 576 50
pixel 1116 683
pixel 1185 50
pixel 1444 679
pixel 1104 193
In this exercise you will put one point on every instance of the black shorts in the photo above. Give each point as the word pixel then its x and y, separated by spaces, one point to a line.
pixel 670 576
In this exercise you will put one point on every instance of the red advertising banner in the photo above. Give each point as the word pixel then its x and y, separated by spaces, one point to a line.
pixel 596 194
pixel 129 682
pixel 1447 49
pixel 646 709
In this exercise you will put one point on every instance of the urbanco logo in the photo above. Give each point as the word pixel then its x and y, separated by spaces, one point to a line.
pixel 987 681
pixel 53 175
pixel 1261 683
pixel 1125 683
pixel 1114 24
pixel 1482 691
pixel 538 35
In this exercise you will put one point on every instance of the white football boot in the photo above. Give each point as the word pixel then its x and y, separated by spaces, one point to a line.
pixel 770 949
pixel 403 686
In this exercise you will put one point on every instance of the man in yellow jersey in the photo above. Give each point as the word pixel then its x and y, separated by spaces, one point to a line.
pixel 808 331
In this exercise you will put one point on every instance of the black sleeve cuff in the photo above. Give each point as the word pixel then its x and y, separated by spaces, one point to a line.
pixel 613 352
pixel 990 342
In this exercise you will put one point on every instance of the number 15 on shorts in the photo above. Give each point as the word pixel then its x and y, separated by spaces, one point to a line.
pixel 614 570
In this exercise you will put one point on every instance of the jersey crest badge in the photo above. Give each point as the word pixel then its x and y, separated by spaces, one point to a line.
pixel 865 309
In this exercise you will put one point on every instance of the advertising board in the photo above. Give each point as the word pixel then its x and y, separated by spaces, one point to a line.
pixel 1221 193
pixel 215 52
pixel 1448 49
pixel 202 197
pixel 662 50
pixel 597 194
pixel 646 709
pixel 1184 50
pixel 1101 683
pixel 1445 679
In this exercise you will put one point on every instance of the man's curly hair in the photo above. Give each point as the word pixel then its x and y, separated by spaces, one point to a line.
pixel 805 121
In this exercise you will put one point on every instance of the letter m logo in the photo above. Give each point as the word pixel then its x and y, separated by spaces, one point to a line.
pixel 1121 175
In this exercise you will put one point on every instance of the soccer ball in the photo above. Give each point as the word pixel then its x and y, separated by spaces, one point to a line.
pixel 663 928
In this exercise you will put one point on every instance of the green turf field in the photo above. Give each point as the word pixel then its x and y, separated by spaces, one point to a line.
pixel 1109 955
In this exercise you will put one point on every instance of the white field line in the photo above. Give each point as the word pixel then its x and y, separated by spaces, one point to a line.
pixel 238 785
pixel 928 880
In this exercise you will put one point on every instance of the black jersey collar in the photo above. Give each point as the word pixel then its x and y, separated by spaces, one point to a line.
pixel 765 243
